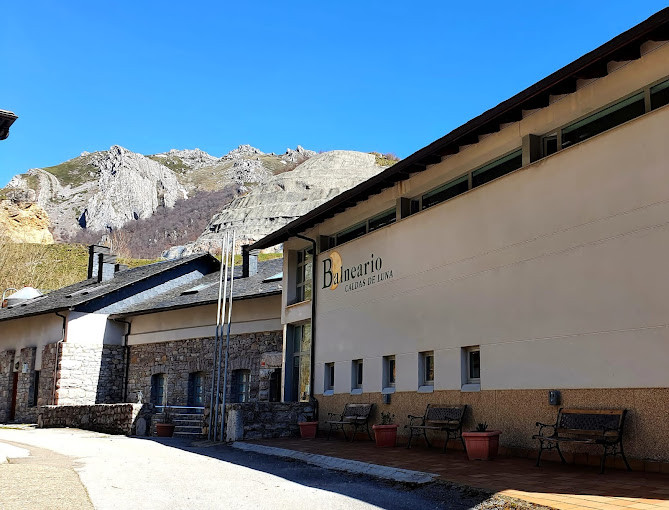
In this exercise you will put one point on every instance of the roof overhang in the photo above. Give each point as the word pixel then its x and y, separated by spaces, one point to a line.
pixel 624 47
pixel 7 118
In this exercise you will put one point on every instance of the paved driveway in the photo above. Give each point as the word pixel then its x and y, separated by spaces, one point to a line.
pixel 120 472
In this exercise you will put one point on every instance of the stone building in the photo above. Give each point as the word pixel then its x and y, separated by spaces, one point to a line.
pixel 520 253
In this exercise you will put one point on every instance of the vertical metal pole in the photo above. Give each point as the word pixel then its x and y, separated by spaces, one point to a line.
pixel 220 344
pixel 212 422
pixel 227 341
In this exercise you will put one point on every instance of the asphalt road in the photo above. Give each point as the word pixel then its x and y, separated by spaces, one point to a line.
pixel 118 472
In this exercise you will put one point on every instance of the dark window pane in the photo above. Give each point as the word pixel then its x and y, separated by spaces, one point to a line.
pixel 497 168
pixel 429 368
pixel 550 145
pixel 475 365
pixel 449 190
pixel 415 206
pixel 391 371
pixel 601 121
pixel 382 220
pixel 659 95
pixel 352 233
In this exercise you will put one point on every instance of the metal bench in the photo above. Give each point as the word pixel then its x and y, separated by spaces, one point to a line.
pixel 438 418
pixel 354 416
pixel 602 427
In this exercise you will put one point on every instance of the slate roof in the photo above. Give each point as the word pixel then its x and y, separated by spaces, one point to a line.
pixel 205 290
pixel 68 298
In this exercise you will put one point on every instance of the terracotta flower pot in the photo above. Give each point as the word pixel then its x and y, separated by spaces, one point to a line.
pixel 385 435
pixel 482 445
pixel 164 429
pixel 308 429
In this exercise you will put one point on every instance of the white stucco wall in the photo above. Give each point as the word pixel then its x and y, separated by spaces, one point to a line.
pixel 248 316
pixel 36 331
pixel 94 328
pixel 557 271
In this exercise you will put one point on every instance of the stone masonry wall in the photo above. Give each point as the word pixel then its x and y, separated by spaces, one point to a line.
pixel 261 420
pixel 89 374
pixel 25 411
pixel 6 375
pixel 177 359
pixel 107 418
pixel 46 388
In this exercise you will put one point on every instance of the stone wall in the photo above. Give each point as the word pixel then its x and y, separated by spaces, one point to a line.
pixel 6 378
pixel 127 419
pixel 46 387
pixel 260 420
pixel 255 352
pixel 90 374
pixel 25 410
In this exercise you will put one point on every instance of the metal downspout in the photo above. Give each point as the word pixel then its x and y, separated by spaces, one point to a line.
pixel 54 401
pixel 126 355
pixel 227 339
pixel 313 318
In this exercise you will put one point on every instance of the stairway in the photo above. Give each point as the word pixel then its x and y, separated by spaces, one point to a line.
pixel 186 424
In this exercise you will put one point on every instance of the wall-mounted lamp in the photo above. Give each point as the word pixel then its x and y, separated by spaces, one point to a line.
pixel 554 397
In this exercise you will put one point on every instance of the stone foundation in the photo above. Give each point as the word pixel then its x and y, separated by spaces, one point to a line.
pixel 515 413
pixel 108 418
pixel 6 383
pixel 261 420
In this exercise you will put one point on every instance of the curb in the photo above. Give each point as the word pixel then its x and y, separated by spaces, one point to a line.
pixel 348 466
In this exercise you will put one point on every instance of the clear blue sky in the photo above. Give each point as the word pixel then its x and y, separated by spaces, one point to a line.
pixel 389 76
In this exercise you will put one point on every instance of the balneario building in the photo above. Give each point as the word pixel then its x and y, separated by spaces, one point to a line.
pixel 523 252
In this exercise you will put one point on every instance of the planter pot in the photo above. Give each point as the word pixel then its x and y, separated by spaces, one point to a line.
pixel 308 429
pixel 482 445
pixel 164 429
pixel 385 435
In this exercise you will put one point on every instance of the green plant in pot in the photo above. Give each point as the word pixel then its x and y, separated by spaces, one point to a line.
pixel 385 433
pixel 165 428
pixel 308 427
pixel 482 444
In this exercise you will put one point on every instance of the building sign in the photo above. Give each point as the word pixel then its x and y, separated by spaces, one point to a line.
pixel 354 277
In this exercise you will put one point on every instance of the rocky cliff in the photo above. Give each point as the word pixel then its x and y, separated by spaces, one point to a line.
pixel 22 220
pixel 274 203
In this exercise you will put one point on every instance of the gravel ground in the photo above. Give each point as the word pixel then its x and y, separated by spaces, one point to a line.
pixel 119 472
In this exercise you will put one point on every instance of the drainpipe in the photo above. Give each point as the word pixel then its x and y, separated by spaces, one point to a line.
pixel 126 355
pixel 313 315
pixel 63 336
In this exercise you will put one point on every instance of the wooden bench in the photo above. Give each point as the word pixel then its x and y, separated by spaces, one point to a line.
pixel 354 416
pixel 602 427
pixel 438 418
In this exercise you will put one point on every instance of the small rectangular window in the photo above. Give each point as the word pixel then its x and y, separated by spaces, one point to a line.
pixel 389 371
pixel 329 377
pixel 473 365
pixel 303 280
pixel 427 368
pixel 383 219
pixel 603 120
pixel 445 192
pixel 35 393
pixel 241 387
pixel 549 145
pixel 356 375
pixel 497 168
pixel 659 95
pixel 351 233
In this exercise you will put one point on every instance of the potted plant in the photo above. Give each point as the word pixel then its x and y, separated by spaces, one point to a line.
pixel 385 433
pixel 309 428
pixel 166 427
pixel 482 444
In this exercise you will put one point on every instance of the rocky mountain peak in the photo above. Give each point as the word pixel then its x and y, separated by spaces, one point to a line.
pixel 243 151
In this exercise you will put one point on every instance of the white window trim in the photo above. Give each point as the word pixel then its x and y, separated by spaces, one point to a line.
pixel 425 384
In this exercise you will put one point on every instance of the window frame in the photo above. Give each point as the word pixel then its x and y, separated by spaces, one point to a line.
pixel 240 389
pixel 329 378
pixel 304 258
pixel 425 366
pixel 469 352
pixel 391 214
pixel 389 368
pixel 357 375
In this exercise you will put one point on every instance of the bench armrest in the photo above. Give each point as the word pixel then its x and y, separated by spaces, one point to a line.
pixel 334 415
pixel 543 426
pixel 412 418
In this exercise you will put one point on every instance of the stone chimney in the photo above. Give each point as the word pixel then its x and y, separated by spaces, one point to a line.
pixel 249 261
pixel 101 263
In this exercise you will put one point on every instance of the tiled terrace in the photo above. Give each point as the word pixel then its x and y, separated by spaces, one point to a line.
pixel 564 487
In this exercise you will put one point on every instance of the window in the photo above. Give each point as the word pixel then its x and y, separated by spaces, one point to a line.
pixel 388 372
pixel 426 369
pixel 195 389
pixel 449 190
pixel 549 145
pixel 356 375
pixel 605 119
pixel 275 385
pixel 298 363
pixel 329 377
pixel 158 389
pixel 303 276
pixel 473 365
pixel 35 393
pixel 497 168
pixel 241 385
pixel 659 95
pixel 364 227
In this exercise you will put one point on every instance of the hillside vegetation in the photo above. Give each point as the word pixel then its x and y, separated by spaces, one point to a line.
pixel 46 267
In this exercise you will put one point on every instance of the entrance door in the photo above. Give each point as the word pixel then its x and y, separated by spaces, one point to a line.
pixel 15 387
pixel 195 389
